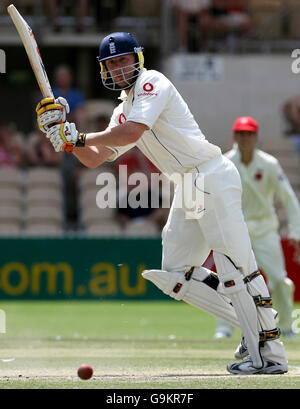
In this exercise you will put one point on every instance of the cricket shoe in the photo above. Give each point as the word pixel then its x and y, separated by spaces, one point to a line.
pixel 241 351
pixel 246 368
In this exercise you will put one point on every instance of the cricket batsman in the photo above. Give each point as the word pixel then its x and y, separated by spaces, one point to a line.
pixel 154 117
pixel 262 177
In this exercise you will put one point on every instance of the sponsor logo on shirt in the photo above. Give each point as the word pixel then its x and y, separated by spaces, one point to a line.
pixel 122 118
pixel 148 90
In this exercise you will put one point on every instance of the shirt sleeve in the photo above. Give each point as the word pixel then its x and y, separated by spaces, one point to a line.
pixel 151 95
pixel 113 120
pixel 289 200
pixel 117 151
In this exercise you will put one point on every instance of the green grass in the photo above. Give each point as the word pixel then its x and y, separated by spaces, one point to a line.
pixel 129 345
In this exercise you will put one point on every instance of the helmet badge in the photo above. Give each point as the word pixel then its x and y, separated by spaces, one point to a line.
pixel 112 46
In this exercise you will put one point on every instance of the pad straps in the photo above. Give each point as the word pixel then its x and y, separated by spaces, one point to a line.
pixel 265 302
pixel 251 276
pixel 268 335
pixel 187 276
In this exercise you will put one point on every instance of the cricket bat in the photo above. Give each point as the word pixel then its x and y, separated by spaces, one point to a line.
pixel 32 51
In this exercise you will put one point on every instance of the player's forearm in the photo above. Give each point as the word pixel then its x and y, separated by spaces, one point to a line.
pixel 91 156
pixel 121 135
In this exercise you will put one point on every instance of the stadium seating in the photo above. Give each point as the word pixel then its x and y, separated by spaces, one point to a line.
pixel 294 18
pixel 10 177
pixel 88 177
pixel 44 196
pixel 141 228
pixel 41 177
pixel 91 199
pixel 43 229
pixel 43 214
pixel 142 8
pixel 43 202
pixel 93 219
pixel 11 196
pixel 265 15
pixel 91 214
pixel 265 4
pixel 10 214
pixel 8 229
pixel 11 219
pixel 104 228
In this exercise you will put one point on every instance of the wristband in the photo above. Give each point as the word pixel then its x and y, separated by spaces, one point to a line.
pixel 81 140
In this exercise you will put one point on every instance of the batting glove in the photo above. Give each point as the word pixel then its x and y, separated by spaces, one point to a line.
pixel 51 111
pixel 64 137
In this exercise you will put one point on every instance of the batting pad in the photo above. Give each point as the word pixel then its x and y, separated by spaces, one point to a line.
pixel 193 292
pixel 253 319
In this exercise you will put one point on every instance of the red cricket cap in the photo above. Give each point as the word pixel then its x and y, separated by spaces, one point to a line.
pixel 245 123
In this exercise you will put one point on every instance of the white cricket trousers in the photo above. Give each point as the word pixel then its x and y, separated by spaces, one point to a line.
pixel 188 242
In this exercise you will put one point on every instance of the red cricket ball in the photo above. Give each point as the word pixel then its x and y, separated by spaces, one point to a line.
pixel 85 372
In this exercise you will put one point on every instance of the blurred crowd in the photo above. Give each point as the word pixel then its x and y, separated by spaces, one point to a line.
pixel 201 19
pixel 200 25
pixel 80 9
pixel 85 14
pixel 210 19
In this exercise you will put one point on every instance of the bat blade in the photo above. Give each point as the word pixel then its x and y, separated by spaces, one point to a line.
pixel 32 50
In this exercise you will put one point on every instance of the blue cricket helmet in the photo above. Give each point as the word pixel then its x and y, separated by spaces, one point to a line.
pixel 116 45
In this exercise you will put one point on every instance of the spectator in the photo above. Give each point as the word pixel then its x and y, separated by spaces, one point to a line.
pixel 81 10
pixel 106 11
pixel 63 86
pixel 224 17
pixel 40 151
pixel 186 11
pixel 11 146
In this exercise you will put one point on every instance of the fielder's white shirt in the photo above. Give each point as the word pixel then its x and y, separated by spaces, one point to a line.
pixel 174 142
pixel 261 179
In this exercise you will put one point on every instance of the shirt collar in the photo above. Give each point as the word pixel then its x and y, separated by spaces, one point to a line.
pixel 123 96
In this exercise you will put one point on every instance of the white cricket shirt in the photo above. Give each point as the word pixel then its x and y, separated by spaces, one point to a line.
pixel 261 179
pixel 174 142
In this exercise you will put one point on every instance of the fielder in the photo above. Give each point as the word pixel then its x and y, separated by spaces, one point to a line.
pixel 153 116
pixel 262 178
